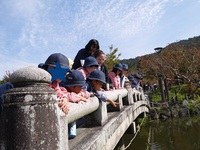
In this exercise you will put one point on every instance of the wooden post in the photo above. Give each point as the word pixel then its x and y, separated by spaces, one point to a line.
pixel 160 81
pixel 166 89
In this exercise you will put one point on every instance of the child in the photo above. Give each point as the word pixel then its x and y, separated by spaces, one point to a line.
pixel 90 64
pixel 123 77
pixel 114 76
pixel 73 84
pixel 100 57
pixel 57 65
pixel 132 81
pixel 94 84
pixel 138 80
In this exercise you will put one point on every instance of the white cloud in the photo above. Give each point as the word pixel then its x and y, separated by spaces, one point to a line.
pixel 49 27
pixel 36 28
pixel 115 19
pixel 25 8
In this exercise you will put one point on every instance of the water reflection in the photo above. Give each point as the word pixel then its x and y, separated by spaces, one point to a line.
pixel 172 134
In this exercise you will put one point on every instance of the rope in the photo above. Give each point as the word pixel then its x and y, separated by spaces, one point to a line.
pixel 134 135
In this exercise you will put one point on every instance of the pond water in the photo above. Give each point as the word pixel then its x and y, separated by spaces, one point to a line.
pixel 171 134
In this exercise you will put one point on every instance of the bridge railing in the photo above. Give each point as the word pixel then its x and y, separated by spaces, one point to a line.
pixel 31 113
pixel 124 96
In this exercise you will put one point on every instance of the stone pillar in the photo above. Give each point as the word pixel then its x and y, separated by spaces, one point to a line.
pixel 131 129
pixel 100 115
pixel 31 117
pixel 134 97
pixel 128 100
pixel 120 145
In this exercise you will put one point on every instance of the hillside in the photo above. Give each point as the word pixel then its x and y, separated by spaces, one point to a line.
pixel 190 43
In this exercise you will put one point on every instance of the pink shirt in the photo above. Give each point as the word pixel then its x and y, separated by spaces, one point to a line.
pixel 60 91
pixel 75 98
pixel 84 72
pixel 72 97
pixel 115 80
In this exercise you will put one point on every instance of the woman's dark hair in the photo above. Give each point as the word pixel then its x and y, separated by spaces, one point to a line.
pixel 97 53
pixel 92 42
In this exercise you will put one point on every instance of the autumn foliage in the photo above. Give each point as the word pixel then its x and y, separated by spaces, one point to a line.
pixel 177 62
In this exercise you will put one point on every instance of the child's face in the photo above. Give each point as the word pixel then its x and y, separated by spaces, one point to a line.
pixel 124 71
pixel 118 71
pixel 97 84
pixel 76 89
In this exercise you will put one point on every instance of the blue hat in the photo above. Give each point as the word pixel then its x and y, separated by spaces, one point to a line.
pixel 131 78
pixel 40 65
pixel 74 78
pixel 55 58
pixel 119 66
pixel 125 66
pixel 90 61
pixel 97 75
pixel 137 76
pixel 134 83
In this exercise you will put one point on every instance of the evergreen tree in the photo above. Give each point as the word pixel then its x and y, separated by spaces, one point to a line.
pixel 112 58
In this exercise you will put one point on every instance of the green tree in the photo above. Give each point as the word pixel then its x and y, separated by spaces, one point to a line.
pixel 6 77
pixel 112 58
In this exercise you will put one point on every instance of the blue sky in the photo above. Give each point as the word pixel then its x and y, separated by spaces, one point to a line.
pixel 31 30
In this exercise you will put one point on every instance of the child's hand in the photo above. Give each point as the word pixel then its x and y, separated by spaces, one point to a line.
pixel 83 99
pixel 102 89
pixel 63 104
pixel 115 104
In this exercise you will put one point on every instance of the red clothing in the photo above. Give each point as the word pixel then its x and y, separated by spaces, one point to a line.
pixel 115 80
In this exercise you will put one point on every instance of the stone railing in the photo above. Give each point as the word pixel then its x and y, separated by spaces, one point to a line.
pixel 31 118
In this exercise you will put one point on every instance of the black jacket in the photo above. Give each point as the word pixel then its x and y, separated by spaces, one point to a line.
pixel 82 54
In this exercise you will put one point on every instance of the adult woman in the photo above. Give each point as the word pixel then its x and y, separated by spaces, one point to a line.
pixel 91 47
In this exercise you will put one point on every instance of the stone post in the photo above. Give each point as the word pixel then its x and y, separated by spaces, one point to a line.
pixel 128 100
pixel 100 114
pixel 31 117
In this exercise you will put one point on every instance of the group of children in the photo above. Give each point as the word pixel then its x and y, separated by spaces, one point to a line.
pixel 88 77
pixel 91 79
pixel 79 84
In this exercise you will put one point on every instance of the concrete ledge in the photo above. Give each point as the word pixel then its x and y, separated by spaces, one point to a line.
pixel 78 110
